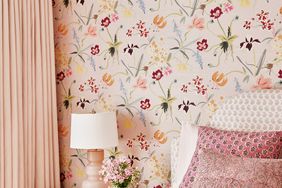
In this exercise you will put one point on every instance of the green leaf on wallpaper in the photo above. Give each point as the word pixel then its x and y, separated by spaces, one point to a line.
pixel 246 78
pixel 221 37
pixel 182 21
pixel 73 53
pixel 139 65
pixel 89 15
pixel 168 57
pixel 195 5
pixel 81 57
pixel 244 65
pixel 187 57
pixel 130 2
pixel 229 31
pixel 261 61
pixel 196 122
pixel 79 17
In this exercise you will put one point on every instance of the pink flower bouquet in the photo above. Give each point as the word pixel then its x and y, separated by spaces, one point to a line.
pixel 119 172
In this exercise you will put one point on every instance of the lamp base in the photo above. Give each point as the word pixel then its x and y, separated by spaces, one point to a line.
pixel 95 158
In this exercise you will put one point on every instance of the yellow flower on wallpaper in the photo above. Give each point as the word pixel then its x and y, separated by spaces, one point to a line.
pixel 79 172
pixel 245 3
pixel 127 123
pixel 79 69
pixel 127 12
pixel 182 67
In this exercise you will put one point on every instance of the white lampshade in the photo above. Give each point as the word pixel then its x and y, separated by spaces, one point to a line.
pixel 94 131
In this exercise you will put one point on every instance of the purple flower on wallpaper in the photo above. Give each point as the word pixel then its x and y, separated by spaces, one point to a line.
pixel 186 105
pixel 130 48
pixel 216 12
pixel 157 75
pixel 249 43
pixel 105 22
pixel 82 103
pixel 202 45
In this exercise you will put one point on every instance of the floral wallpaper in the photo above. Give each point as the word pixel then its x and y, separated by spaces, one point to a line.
pixel 157 63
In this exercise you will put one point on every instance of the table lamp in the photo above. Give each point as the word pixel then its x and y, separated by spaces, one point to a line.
pixel 94 132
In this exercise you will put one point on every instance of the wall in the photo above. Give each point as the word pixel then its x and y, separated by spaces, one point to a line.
pixel 158 63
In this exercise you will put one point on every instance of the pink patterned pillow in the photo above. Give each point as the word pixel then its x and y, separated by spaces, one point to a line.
pixel 217 170
pixel 235 143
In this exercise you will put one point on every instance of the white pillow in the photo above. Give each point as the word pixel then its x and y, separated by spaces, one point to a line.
pixel 187 145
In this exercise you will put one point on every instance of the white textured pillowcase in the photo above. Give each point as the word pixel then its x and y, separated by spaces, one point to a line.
pixel 187 145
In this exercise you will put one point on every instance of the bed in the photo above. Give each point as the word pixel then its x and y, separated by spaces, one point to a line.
pixel 258 110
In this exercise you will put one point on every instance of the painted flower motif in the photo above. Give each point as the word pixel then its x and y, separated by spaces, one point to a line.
pixel 249 43
pixel 198 23
pixel 95 50
pixel 68 72
pixel 267 24
pixel 105 22
pixel 81 88
pixel 82 103
pixel 197 81
pixel 144 33
pixel 247 25
pixel 141 83
pixel 168 71
pixel 158 186
pixel 145 104
pixel 141 137
pixel 184 88
pixel 63 29
pixel 130 48
pixel 201 89
pixel 228 7
pixel 94 89
pixel 202 45
pixel 129 32
pixel 61 76
pixel 140 25
pixel 157 75
pixel 280 73
pixel 114 17
pixel 186 105
pixel 91 31
pixel 144 146
pixel 129 143
pixel 263 83
pixel 262 15
pixel 216 12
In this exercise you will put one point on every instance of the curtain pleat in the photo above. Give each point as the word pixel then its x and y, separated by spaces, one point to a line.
pixel 29 149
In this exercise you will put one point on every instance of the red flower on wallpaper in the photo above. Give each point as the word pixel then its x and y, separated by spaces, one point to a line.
pixel 280 73
pixel 247 25
pixel 141 137
pixel 157 75
pixel 216 12
pixel 197 80
pixel 201 89
pixel 105 22
pixel 129 33
pixel 158 186
pixel 144 33
pixel 129 143
pixel 262 15
pixel 81 88
pixel 202 45
pixel 95 50
pixel 144 145
pixel 140 25
pixel 267 24
pixel 145 104
pixel 61 76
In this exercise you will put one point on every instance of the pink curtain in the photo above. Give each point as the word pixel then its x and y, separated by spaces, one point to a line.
pixel 29 154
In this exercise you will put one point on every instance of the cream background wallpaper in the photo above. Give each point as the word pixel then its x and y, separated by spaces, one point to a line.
pixel 158 62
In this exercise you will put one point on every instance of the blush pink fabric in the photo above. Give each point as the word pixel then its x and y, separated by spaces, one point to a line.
pixel 221 171
pixel 234 143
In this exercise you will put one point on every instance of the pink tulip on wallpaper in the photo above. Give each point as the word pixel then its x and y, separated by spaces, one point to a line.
pixel 263 83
